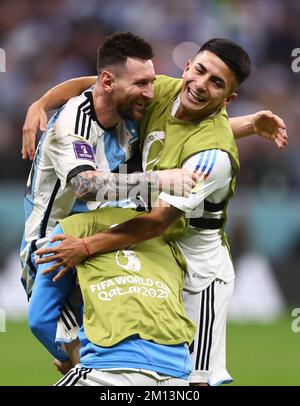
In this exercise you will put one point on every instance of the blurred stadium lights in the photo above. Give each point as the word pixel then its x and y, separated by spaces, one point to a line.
pixel 183 52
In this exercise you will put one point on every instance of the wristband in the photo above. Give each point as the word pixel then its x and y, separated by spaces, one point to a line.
pixel 86 247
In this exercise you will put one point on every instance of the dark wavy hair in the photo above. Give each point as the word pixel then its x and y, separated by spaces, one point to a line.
pixel 232 54
pixel 119 46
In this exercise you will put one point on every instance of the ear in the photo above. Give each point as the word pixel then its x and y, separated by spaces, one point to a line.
pixel 107 80
pixel 230 98
pixel 187 67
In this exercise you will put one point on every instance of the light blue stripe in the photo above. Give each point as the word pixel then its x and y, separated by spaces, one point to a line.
pixel 114 154
pixel 80 207
pixel 133 129
pixel 206 162
pixel 212 162
pixel 200 161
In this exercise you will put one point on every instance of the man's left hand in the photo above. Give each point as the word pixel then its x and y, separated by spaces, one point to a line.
pixel 63 366
pixel 69 253
pixel 266 124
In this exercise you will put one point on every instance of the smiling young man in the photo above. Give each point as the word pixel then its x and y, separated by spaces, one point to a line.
pixel 186 126
pixel 208 85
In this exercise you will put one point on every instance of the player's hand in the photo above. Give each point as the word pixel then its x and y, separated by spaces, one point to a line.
pixel 36 118
pixel 266 124
pixel 69 253
pixel 63 366
pixel 178 182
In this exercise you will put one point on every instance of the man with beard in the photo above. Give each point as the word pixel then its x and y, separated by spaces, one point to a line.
pixel 85 141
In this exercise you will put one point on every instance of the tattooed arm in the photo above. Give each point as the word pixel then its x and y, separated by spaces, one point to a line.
pixel 106 186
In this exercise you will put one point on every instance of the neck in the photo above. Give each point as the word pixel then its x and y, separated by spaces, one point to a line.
pixel 105 110
pixel 183 114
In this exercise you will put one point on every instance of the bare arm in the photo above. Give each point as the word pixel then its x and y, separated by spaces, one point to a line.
pixel 241 126
pixel 139 229
pixel 72 251
pixel 263 123
pixel 36 116
pixel 62 92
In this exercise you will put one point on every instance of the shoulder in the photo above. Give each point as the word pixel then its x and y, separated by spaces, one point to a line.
pixel 222 161
pixel 75 114
pixel 215 133
pixel 220 122
pixel 165 84
pixel 160 79
pixel 217 127
pixel 213 163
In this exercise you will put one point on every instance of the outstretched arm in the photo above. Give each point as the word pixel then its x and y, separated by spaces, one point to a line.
pixel 72 250
pixel 263 123
pixel 36 117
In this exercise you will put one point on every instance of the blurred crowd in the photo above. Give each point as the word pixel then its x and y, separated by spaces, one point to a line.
pixel 50 41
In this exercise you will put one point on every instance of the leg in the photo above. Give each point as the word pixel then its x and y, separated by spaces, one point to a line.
pixel 45 306
pixel 208 309
pixel 69 323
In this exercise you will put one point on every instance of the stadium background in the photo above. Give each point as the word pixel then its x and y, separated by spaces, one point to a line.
pixel 49 41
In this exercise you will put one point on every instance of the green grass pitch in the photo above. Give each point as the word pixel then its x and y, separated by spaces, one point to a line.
pixel 257 355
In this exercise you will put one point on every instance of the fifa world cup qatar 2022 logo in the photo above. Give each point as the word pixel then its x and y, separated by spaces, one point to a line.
pixel 128 260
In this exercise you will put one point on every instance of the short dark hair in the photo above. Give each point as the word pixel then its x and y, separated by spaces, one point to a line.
pixel 232 54
pixel 122 45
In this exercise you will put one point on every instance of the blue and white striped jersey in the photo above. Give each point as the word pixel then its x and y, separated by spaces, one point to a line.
pixel 73 142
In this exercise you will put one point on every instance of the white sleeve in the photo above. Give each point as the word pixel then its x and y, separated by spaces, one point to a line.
pixel 68 150
pixel 214 172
